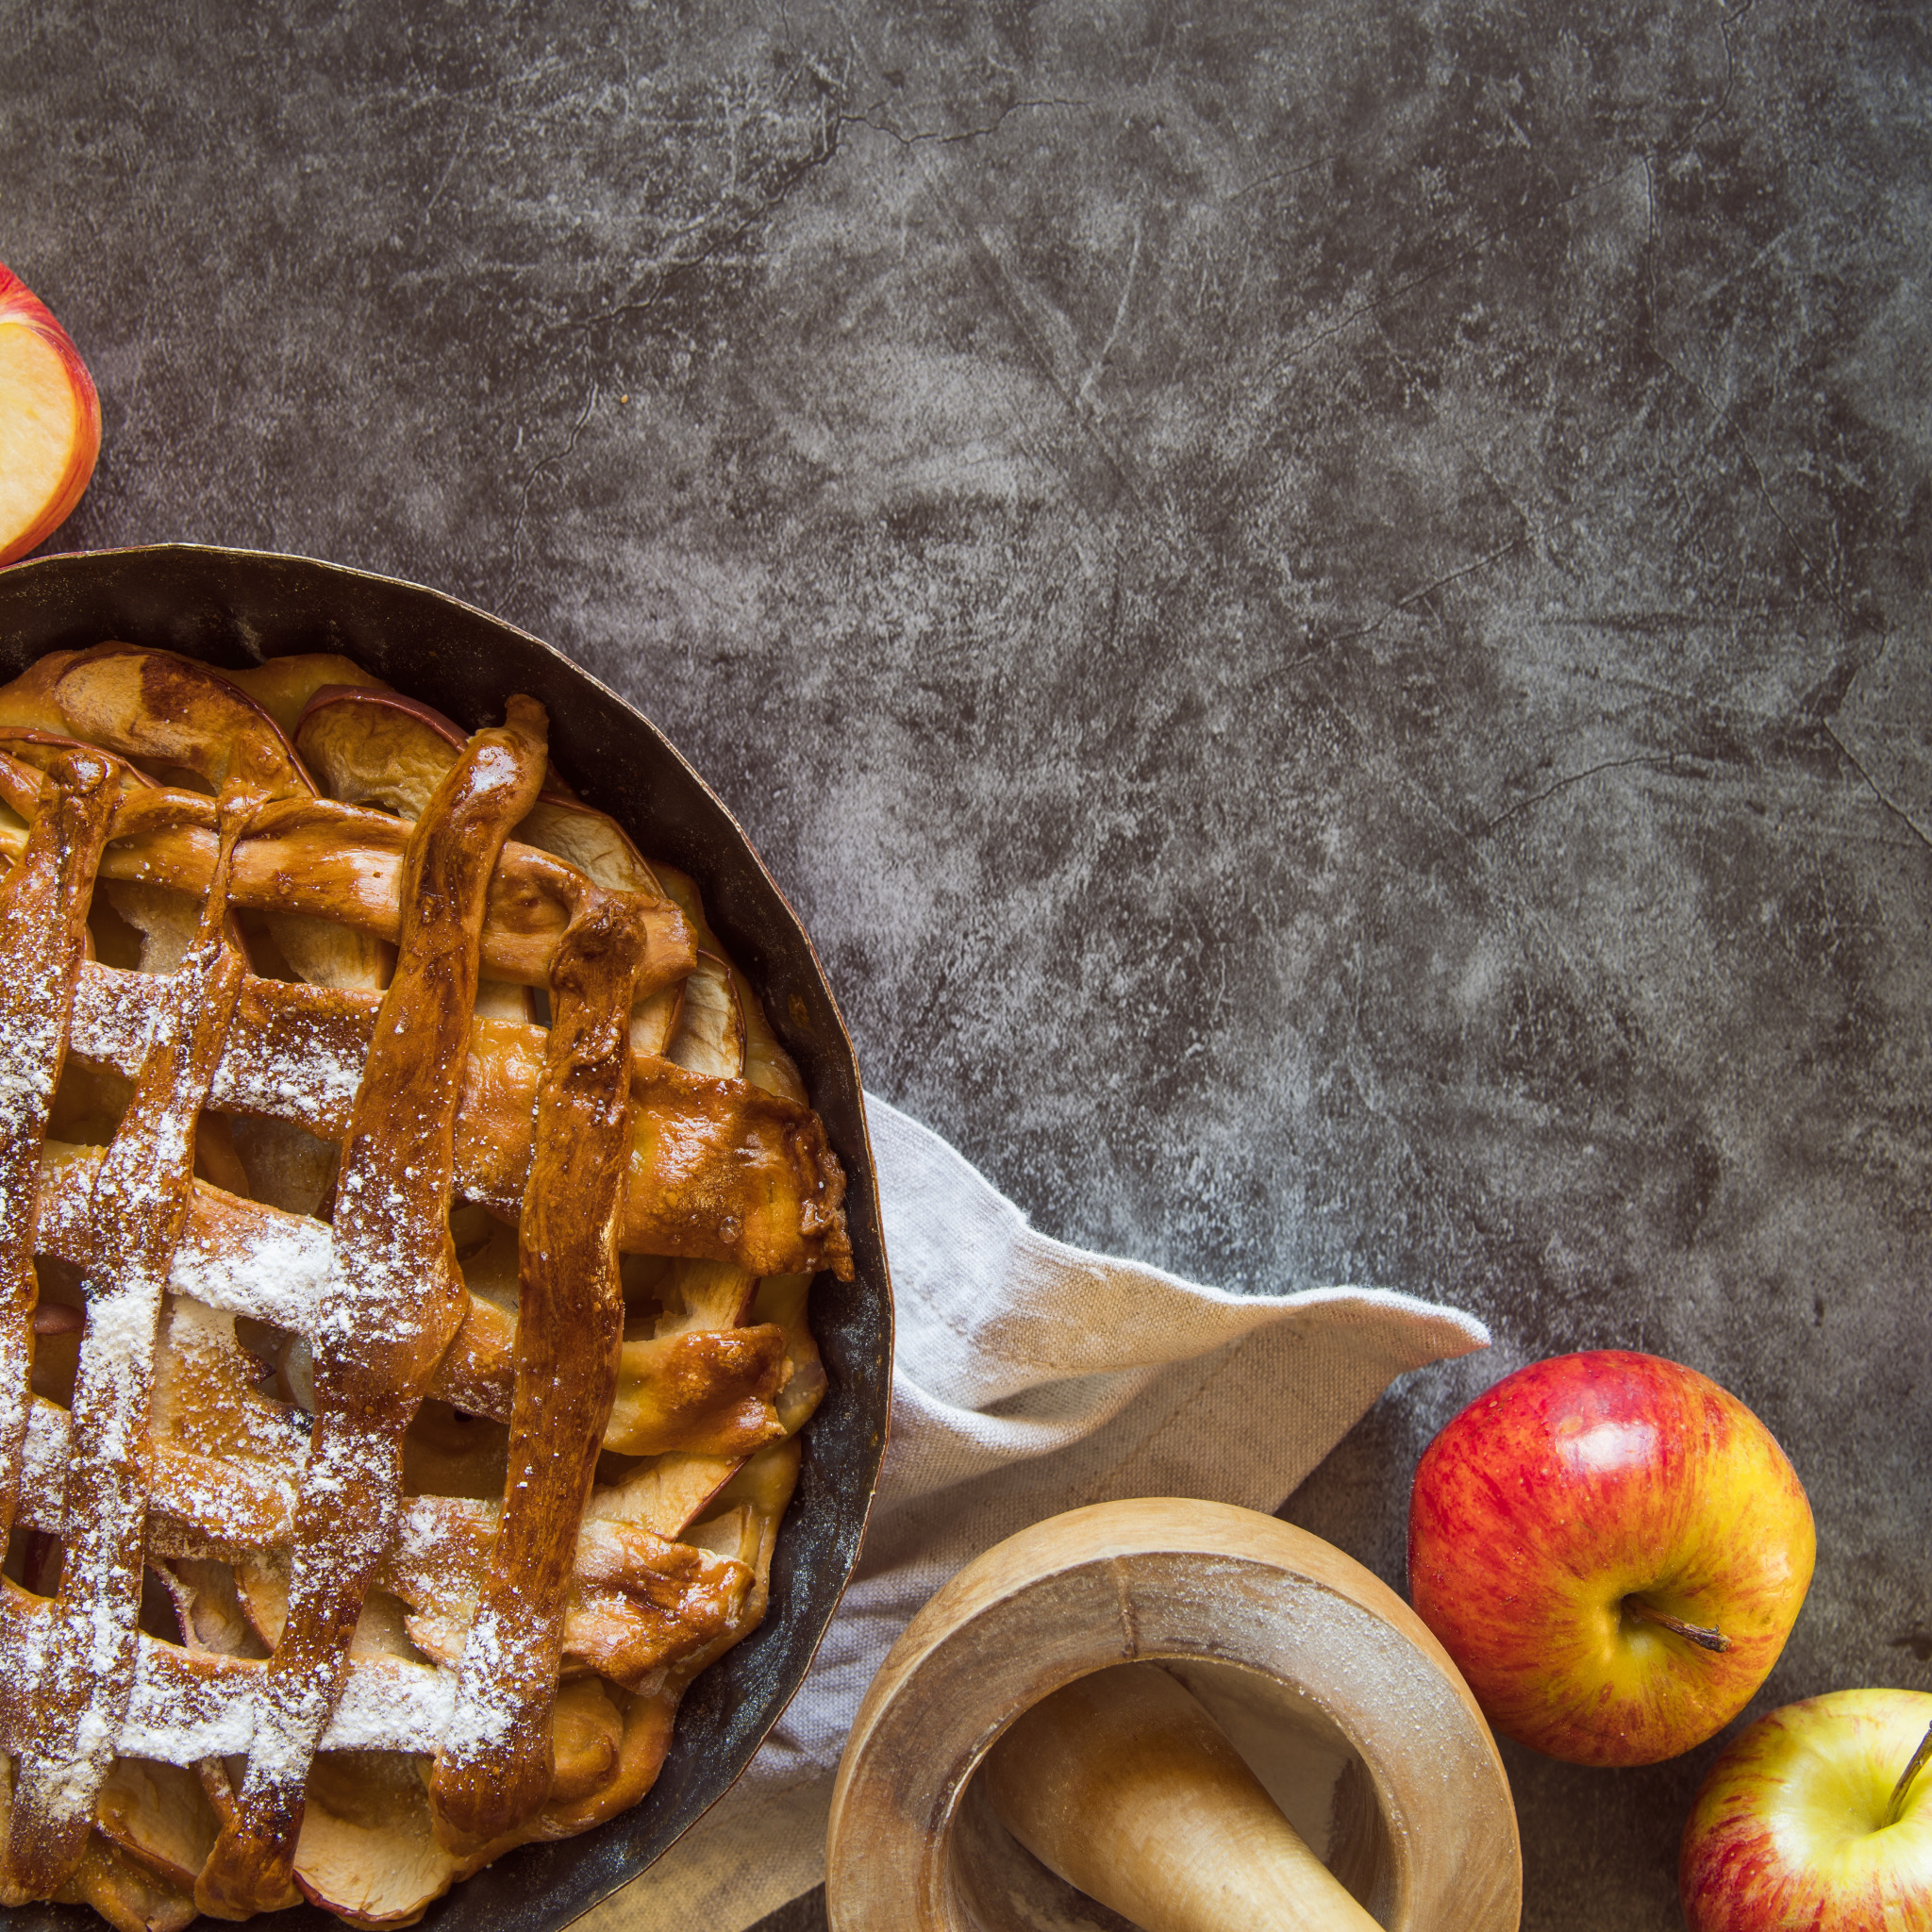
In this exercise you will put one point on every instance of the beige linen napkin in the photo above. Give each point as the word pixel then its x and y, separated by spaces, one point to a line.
pixel 1031 1377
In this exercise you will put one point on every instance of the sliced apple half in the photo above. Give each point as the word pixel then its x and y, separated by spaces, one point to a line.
pixel 50 421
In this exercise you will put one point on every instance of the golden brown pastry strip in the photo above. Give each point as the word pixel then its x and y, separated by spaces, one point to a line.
pixel 640 1603
pixel 320 858
pixel 720 1170
pixel 140 1197
pixel 394 1301
pixel 43 905
pixel 710 1391
pixel 343 862
pixel 234 1507
pixel 495 1766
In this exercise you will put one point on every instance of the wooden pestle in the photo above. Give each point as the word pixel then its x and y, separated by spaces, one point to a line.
pixel 1125 1786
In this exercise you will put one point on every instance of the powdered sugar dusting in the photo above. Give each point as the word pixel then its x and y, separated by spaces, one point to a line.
pixel 42 909
pixel 487 1702
pixel 182 1709
pixel 309 1077
pixel 271 1268
pixel 391 1299
pixel 140 1195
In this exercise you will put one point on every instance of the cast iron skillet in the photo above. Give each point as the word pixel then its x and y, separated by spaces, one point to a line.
pixel 235 608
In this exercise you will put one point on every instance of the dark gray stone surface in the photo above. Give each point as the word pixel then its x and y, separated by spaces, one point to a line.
pixel 1323 609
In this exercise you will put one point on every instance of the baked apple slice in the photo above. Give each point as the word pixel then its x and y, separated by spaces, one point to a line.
pixel 284 686
pixel 374 746
pixel 368 744
pixel 179 715
pixel 593 841
pixel 763 1061
pixel 709 1038
pixel 368 1852
pixel 702 1294
pixel 666 1494
pixel 158 1814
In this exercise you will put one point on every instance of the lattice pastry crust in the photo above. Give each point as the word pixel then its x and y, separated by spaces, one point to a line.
pixel 406 1222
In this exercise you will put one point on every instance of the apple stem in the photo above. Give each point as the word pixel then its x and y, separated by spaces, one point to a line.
pixel 1894 1811
pixel 1704 1638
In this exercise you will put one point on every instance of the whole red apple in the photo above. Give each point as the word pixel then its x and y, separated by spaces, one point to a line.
pixel 1809 1819
pixel 50 421
pixel 1614 1550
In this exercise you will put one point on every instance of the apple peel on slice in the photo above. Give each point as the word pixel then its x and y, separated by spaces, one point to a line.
pixel 286 686
pixel 367 1851
pixel 370 745
pixel 160 1815
pixel 762 1060
pixel 708 1039
pixel 377 747
pixel 50 421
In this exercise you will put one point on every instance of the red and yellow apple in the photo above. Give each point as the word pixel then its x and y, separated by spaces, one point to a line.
pixel 1613 1549
pixel 1816 1816
pixel 50 421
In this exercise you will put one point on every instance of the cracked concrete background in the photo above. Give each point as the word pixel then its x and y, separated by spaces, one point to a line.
pixel 1323 609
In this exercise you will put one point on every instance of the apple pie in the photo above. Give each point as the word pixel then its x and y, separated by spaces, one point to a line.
pixel 406 1219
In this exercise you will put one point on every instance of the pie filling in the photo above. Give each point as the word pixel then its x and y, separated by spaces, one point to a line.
pixel 406 1220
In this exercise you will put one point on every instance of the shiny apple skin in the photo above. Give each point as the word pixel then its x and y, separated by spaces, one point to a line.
pixel 18 303
pixel 1787 1828
pixel 1580 1482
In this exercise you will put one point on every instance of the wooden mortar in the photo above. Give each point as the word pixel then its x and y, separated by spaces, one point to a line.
pixel 1331 1688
